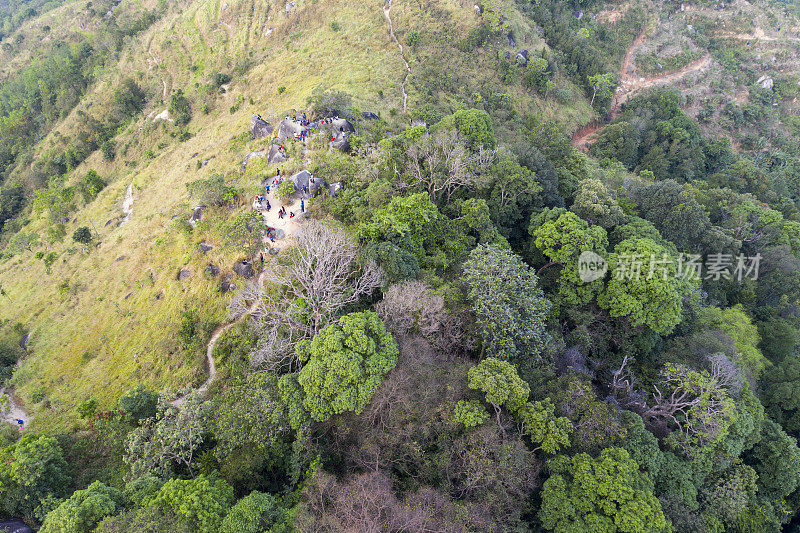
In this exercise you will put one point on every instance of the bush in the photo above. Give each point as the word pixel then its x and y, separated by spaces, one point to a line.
pixel 139 403
pixel 180 109
pixel 285 191
pixel 82 235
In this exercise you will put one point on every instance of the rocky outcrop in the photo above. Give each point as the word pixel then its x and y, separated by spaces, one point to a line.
pixel 243 269
pixel 260 127
pixel 276 154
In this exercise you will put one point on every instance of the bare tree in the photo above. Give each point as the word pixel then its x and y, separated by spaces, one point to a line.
pixel 315 278
pixel 441 163
pixel 694 403
pixel 411 308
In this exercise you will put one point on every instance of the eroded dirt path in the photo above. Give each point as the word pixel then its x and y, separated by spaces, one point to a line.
pixel 386 13
pixel 11 410
pixel 631 83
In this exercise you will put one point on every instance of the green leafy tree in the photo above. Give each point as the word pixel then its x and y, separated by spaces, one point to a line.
pixel 509 306
pixel 594 204
pixel 606 494
pixel 139 403
pixel 470 413
pixel 345 364
pixel 82 235
pixel 602 85
pixel 562 241
pixel 257 513
pixel 201 502
pixel 513 194
pixel 91 185
pixel 474 124
pixel 168 441
pixel 501 384
pixel 180 109
pixel 735 322
pixel 212 191
pixel 32 470
pixel 776 460
pixel 654 300
pixel 547 431
pixel 83 510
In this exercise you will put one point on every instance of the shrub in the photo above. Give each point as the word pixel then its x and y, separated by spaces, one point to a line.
pixel 285 191
pixel 82 235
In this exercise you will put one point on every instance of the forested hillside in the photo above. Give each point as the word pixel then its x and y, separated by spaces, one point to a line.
pixel 399 266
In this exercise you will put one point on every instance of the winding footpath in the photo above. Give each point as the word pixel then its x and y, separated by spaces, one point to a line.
pixel 212 343
pixel 631 83
pixel 12 411
pixel 386 9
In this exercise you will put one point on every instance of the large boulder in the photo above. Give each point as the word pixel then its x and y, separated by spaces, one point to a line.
pixel 260 127
pixel 288 129
pixel 342 125
pixel 276 155
pixel 197 215
pixel 243 269
pixel 304 179
pixel 340 143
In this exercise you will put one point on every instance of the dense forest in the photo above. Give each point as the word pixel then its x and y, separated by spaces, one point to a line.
pixel 551 291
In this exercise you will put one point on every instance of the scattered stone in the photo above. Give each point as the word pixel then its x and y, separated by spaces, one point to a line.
pixel 522 57
pixel 205 247
pixel 334 188
pixel 23 343
pixel 511 41
pixel 64 220
pixel 256 153
pixel 183 274
pixel 276 155
pixel 766 82
pixel 369 115
pixel 121 258
pixel 243 269
pixel 205 162
pixel 213 270
pixel 260 127
pixel 160 295
pixel 128 295
pixel 197 215
pixel 226 285
pixel 419 122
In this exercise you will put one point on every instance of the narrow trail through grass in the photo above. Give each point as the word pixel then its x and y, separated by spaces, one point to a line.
pixel 386 13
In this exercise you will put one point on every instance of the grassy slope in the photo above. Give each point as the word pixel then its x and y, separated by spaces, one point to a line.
pixel 104 331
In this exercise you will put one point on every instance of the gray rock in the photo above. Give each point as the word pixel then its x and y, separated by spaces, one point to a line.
pixel 288 129
pixel 183 274
pixel 243 269
pixel 522 57
pixel 205 247
pixel 276 155
pixel 511 41
pixel 369 115
pixel 160 295
pixel 121 258
pixel 305 180
pixel 213 270
pixel 23 343
pixel 260 127
pixel 197 215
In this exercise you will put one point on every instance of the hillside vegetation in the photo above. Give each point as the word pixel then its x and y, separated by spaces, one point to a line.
pixel 416 347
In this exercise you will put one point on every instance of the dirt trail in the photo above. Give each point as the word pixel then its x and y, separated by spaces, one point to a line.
pixel 631 83
pixel 212 343
pixel 127 204
pixel 12 411
pixel 386 9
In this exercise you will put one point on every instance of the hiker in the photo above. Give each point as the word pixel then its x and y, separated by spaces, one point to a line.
pixel 280 215
pixel 291 214
pixel 20 423
pixel 267 188
pixel 302 206
pixel 268 206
